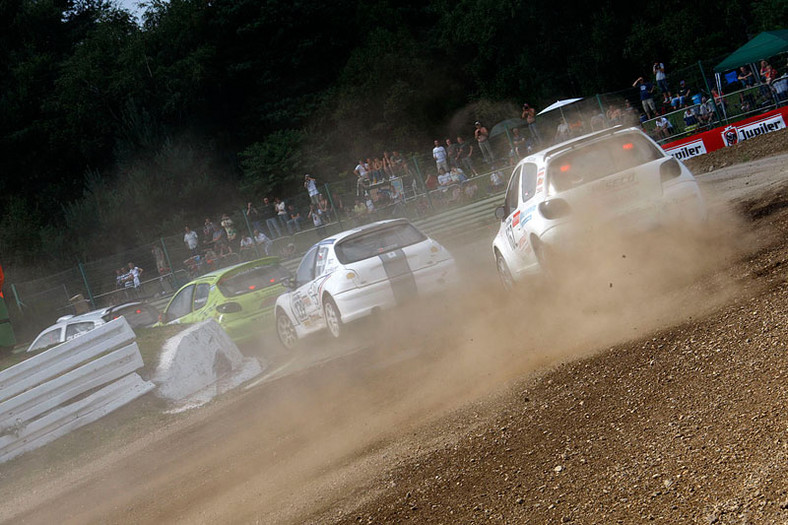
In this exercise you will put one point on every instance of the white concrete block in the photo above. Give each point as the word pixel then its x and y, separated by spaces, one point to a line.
pixel 201 362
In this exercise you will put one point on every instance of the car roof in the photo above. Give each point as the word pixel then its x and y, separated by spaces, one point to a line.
pixel 542 155
pixel 358 229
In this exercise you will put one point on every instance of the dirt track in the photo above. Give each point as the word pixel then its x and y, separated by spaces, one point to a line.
pixel 624 398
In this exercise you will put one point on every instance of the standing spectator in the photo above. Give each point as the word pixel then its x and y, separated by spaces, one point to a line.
pixel 646 90
pixel 482 137
pixel 520 148
pixel 451 153
pixel 208 229
pixel 324 207
pixel 311 187
pixel 229 228
pixel 562 132
pixel 191 240
pixel 134 275
pixel 439 154
pixel 398 165
pixel 281 211
pixel 269 214
pixel 261 238
pixel 317 220
pixel 253 215
pixel 161 260
pixel 465 155
pixel 295 219
pixel 388 167
pixel 529 116
pixel 662 81
pixel 362 174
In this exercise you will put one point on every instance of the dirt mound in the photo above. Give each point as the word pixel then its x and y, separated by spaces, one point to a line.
pixel 763 146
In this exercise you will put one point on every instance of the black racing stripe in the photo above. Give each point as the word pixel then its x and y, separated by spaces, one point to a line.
pixel 403 284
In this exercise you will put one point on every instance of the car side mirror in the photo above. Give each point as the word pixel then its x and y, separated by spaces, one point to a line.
pixel 500 213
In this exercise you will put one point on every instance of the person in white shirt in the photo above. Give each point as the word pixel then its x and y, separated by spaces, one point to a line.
pixel 191 240
pixel 261 239
pixel 440 156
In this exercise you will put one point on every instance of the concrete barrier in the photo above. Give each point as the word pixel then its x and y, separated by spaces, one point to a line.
pixel 200 363
pixel 68 386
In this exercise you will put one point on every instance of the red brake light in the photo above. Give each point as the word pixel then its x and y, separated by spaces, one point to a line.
pixel 628 146
pixel 252 287
pixel 138 312
pixel 271 280
pixel 566 167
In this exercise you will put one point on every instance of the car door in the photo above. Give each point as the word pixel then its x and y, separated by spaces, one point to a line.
pixel 520 204
pixel 305 299
pixel 180 305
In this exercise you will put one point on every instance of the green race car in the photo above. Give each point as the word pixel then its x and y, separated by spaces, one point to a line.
pixel 241 298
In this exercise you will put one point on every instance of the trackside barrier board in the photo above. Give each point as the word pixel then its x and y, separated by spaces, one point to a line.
pixel 730 135
pixel 36 396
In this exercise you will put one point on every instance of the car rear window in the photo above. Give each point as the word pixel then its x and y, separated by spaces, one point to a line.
pixel 600 159
pixel 378 241
pixel 136 315
pixel 252 280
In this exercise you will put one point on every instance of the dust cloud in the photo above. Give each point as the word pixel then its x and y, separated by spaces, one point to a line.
pixel 298 448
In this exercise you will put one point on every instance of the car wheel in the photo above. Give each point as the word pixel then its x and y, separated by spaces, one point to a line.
pixel 503 272
pixel 333 317
pixel 286 331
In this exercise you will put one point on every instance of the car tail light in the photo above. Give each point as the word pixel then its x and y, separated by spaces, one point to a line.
pixel 228 308
pixel 670 169
pixel 554 209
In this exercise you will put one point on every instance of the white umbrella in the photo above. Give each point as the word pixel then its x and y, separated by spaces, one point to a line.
pixel 558 104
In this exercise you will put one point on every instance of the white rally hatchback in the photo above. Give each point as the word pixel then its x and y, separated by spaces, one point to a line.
pixel 357 272
pixel 617 179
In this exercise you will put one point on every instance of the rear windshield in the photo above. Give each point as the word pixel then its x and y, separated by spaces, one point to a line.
pixel 136 315
pixel 600 159
pixel 252 280
pixel 374 243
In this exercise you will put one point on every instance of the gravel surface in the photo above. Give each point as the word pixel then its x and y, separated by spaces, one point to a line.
pixel 639 395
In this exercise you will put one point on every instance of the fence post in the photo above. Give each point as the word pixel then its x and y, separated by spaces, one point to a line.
pixel 422 184
pixel 708 90
pixel 251 233
pixel 331 202
pixel 19 303
pixel 87 286
pixel 169 263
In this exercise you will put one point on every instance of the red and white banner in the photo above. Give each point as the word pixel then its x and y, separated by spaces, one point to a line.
pixel 724 136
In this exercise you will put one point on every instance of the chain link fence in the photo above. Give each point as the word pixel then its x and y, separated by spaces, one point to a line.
pixel 412 187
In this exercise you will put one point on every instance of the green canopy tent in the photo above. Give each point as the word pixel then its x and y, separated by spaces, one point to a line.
pixel 765 45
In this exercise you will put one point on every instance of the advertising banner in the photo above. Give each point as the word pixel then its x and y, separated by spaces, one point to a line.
pixel 729 135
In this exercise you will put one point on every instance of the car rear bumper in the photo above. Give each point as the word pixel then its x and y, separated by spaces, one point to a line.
pixel 359 302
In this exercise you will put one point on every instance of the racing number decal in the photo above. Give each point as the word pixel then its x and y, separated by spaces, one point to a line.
pixel 509 233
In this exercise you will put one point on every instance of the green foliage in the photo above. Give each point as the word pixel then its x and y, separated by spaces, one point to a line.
pixel 114 133
pixel 274 163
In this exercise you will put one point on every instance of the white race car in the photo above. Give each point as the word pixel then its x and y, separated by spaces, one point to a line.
pixel 357 272
pixel 559 197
